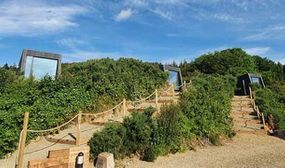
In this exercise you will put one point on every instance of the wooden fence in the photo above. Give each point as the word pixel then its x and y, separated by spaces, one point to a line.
pixel 78 117
pixel 260 115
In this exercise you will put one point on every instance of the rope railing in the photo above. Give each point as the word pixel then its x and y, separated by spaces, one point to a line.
pixel 101 113
pixel 25 130
pixel 143 99
pixel 107 111
pixel 55 128
pixel 256 108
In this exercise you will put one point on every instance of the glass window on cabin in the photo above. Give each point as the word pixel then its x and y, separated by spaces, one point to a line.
pixel 40 67
pixel 255 80
pixel 174 78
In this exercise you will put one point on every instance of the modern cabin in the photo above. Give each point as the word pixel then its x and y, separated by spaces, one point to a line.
pixel 174 77
pixel 244 82
pixel 39 64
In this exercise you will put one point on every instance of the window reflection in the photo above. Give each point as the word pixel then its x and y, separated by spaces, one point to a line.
pixel 174 78
pixel 255 80
pixel 40 67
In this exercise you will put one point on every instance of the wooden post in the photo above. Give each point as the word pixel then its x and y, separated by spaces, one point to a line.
pixel 78 128
pixel 263 121
pixel 254 105
pixel 184 87
pixel 156 100
pixel 124 107
pixel 258 112
pixel 173 90
pixel 250 92
pixel 23 137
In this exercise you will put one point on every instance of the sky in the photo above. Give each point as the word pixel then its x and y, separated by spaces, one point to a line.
pixel 150 30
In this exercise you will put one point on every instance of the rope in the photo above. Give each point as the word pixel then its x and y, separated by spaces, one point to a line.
pixel 132 102
pixel 141 100
pixel 55 128
pixel 95 114
pixel 167 90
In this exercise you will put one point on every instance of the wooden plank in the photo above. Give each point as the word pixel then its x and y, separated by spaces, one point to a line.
pixel 58 153
pixel 49 163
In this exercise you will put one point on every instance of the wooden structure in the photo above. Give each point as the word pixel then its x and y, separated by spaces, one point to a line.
pixel 63 158
pixel 124 108
pixel 244 82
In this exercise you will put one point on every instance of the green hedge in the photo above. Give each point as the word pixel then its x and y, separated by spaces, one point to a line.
pixel 270 102
pixel 207 105
pixel 90 86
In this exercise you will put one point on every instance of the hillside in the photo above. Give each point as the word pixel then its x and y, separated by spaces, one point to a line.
pixel 90 86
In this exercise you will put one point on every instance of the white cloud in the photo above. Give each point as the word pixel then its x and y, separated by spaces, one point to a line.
pixel 274 32
pixel 257 50
pixel 71 43
pixel 124 15
pixel 164 14
pixel 30 17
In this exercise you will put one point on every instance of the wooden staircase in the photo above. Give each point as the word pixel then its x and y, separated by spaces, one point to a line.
pixel 245 118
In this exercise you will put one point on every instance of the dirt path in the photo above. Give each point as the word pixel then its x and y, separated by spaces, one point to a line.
pixel 246 150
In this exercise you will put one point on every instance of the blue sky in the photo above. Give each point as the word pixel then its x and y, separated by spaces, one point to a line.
pixel 150 30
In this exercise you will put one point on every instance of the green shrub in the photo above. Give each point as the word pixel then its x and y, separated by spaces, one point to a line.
pixel 173 129
pixel 139 130
pixel 270 102
pixel 110 139
pixel 207 105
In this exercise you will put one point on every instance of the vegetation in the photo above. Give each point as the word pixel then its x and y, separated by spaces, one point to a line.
pixel 236 62
pixel 270 102
pixel 202 113
pixel 89 86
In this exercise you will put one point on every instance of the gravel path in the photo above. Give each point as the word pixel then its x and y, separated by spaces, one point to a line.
pixel 246 150
pixel 250 148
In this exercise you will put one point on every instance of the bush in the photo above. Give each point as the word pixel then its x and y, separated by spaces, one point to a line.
pixel 207 105
pixel 173 129
pixel 140 128
pixel 270 102
pixel 110 139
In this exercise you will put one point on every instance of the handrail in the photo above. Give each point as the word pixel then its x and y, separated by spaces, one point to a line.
pixel 100 113
pixel 256 108
pixel 55 128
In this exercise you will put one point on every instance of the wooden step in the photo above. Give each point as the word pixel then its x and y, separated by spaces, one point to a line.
pixel 246 117
pixel 252 123
pixel 162 101
pixel 241 113
pixel 62 158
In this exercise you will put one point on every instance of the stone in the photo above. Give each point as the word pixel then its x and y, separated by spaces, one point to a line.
pixel 105 160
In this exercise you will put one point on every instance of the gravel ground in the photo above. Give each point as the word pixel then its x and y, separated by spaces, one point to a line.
pixel 246 150
pixel 250 148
